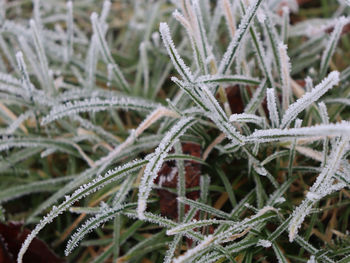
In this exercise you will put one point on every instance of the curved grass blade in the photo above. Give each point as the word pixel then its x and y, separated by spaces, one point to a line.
pixel 179 64
pixel 106 53
pixel 156 159
pixel 229 79
pixel 331 130
pixel 294 109
pixel 332 44
pixel 35 187
pixel 95 105
pixel 231 51
pixel 83 191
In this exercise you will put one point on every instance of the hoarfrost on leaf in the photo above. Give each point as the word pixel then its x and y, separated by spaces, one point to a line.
pixel 294 109
pixel 179 64
pixel 285 71
pixel 323 130
pixel 264 243
pixel 272 107
pixel 156 160
pixel 332 43
pixel 321 188
pixel 232 49
pixel 312 260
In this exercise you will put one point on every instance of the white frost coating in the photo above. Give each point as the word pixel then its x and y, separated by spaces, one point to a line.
pixel 314 27
pixel 338 100
pixel 294 109
pixel 293 5
pixel 70 32
pixel 263 57
pixel 18 122
pixel 280 200
pixel 215 256
pixel 196 250
pixel 218 116
pixel 109 74
pixel 332 130
pixel 189 29
pixel 60 144
pixel 231 51
pixel 179 64
pixel 322 187
pixel 96 129
pixel 168 178
pixel 104 216
pixel 313 196
pixel 155 39
pixel 81 192
pixel 229 17
pixel 25 76
pixel 260 169
pixel 156 160
pixel 91 63
pixel 285 71
pixel 324 180
pixel 171 250
pixel 312 258
pixel 196 224
pixel 332 44
pixel 200 31
pixel 237 79
pixel 209 100
pixel 144 61
pixel 97 104
pixel 325 119
pixel 261 16
pixel 106 53
pixel 309 84
pixel 264 243
pixel 80 94
pixel 183 21
pixel 337 187
pixel 245 117
pixel 152 218
pixel 286 22
pixel 241 228
pixel 38 41
pixel 9 79
pixel 272 107
pixel 151 118
pixel 259 95
pixel 105 10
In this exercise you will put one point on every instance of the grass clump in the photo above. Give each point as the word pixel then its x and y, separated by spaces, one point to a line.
pixel 190 131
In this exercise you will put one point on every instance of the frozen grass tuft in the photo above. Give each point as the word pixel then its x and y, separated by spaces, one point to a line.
pixel 180 131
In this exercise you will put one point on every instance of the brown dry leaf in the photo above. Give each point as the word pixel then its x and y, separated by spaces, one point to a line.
pixel 332 224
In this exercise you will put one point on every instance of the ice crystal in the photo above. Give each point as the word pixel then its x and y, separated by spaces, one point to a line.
pixel 294 109
pixel 264 243
pixel 272 107
pixel 231 52
pixel 156 160
pixel 285 71
pixel 174 55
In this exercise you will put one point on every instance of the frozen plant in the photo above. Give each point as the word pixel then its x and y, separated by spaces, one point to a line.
pixel 179 131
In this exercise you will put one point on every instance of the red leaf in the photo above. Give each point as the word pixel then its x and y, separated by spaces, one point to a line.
pixel 234 99
pixel 12 235
pixel 167 177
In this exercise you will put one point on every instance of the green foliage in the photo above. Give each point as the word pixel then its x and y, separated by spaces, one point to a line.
pixel 93 108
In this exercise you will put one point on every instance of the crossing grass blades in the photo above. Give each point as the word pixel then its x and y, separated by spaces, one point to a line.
pixel 96 97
